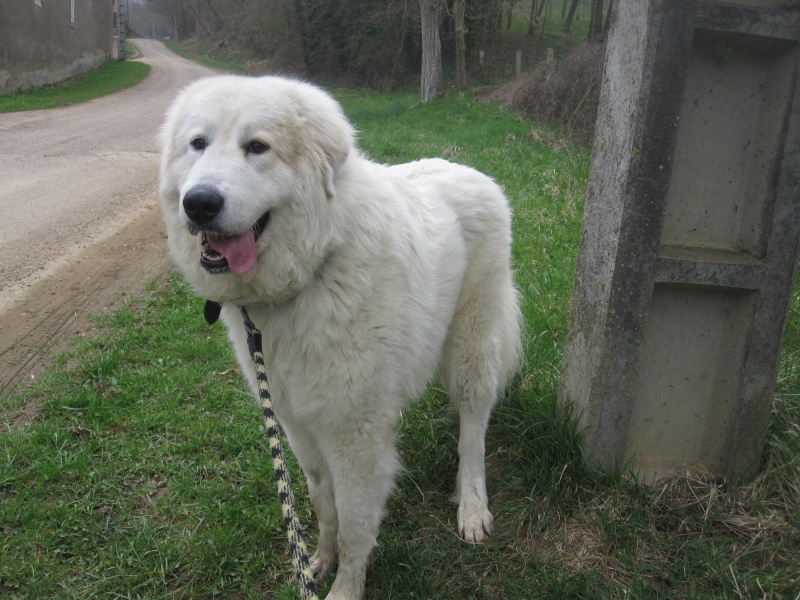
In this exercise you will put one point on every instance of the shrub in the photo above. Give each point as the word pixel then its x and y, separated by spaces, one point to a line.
pixel 564 93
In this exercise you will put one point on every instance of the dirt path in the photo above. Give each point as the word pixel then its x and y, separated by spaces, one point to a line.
pixel 81 227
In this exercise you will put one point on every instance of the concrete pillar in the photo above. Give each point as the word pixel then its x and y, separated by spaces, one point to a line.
pixel 690 237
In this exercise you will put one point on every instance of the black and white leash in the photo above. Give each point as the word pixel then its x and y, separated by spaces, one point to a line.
pixel 294 532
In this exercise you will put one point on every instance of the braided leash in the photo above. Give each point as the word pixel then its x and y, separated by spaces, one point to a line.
pixel 305 577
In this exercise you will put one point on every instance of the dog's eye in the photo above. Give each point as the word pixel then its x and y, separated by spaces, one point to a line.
pixel 199 143
pixel 256 147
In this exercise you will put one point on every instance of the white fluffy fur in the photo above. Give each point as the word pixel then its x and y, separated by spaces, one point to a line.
pixel 367 279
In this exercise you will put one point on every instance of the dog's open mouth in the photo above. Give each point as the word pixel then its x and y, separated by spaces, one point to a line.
pixel 220 253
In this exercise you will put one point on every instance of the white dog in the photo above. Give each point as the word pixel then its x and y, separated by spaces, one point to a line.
pixel 363 278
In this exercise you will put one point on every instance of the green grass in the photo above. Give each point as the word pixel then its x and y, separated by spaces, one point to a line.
pixel 130 50
pixel 112 76
pixel 144 472
pixel 229 63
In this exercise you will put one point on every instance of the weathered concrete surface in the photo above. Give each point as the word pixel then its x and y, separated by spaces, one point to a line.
pixel 42 44
pixel 690 237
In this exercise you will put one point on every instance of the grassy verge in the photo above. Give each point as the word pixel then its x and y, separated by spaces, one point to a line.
pixel 144 473
pixel 130 51
pixel 112 76
pixel 219 61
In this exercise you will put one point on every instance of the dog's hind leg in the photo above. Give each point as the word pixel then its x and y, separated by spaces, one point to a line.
pixel 479 355
pixel 475 398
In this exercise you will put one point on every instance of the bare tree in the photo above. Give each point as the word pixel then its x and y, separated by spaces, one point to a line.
pixel 510 14
pixel 572 8
pixel 608 19
pixel 376 43
pixel 461 63
pixel 545 5
pixel 532 20
pixel 432 80
pixel 302 29
pixel 542 5
pixel 596 21
pixel 536 14
pixel 189 17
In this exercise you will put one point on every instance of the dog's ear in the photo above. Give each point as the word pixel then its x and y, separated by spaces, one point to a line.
pixel 330 133
pixel 327 180
pixel 333 137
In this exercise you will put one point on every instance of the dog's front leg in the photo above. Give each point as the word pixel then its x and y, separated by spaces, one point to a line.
pixel 363 463
pixel 320 488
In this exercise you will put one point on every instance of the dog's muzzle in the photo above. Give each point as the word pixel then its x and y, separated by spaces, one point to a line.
pixel 220 252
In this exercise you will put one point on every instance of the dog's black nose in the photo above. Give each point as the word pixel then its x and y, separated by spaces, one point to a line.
pixel 202 204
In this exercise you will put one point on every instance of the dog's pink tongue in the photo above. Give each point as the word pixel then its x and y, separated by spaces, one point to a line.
pixel 240 251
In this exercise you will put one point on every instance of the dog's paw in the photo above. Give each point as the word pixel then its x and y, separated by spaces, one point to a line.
pixel 322 565
pixel 474 523
pixel 347 586
pixel 322 562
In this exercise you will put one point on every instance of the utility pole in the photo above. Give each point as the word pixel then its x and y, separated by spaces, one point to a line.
pixel 122 27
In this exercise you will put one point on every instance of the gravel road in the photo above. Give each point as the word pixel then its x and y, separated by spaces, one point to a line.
pixel 81 226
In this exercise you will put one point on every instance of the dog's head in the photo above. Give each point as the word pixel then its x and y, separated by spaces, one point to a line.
pixel 248 170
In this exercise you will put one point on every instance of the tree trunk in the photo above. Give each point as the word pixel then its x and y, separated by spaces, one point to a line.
pixel 564 9
pixel 496 20
pixel 510 14
pixel 300 16
pixel 461 62
pixel 204 17
pixel 545 3
pixel 572 8
pixel 431 79
pixel 532 21
pixel 608 19
pixel 596 21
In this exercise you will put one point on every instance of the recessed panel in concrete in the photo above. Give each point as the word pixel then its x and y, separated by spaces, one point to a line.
pixel 686 395
pixel 738 92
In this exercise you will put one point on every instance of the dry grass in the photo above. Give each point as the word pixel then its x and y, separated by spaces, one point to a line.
pixel 754 513
pixel 563 93
pixel 636 548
